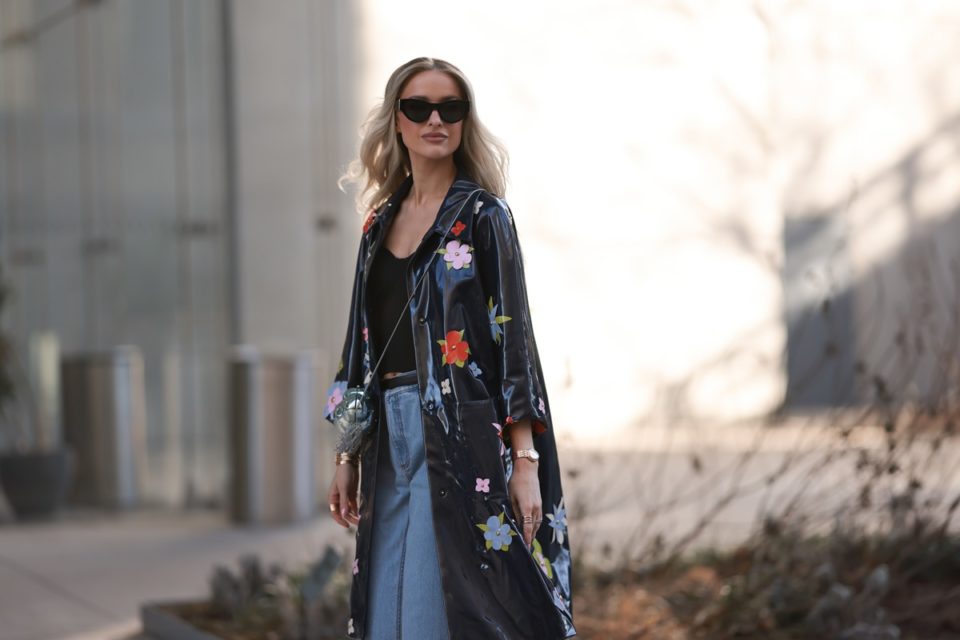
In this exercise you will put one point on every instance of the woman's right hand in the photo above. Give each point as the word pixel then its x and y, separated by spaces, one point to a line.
pixel 343 495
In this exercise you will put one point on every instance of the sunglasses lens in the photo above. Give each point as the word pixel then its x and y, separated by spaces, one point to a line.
pixel 416 110
pixel 453 111
pixel 420 110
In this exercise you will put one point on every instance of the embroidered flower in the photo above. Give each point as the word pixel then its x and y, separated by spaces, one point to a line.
pixel 474 369
pixel 335 396
pixel 477 205
pixel 365 334
pixel 356 566
pixel 497 534
pixel 456 255
pixel 367 378
pixel 369 221
pixel 542 559
pixel 350 626
pixel 454 349
pixel 496 425
pixel 558 521
pixel 483 485
pixel 458 228
pixel 445 386
pixel 541 406
pixel 495 320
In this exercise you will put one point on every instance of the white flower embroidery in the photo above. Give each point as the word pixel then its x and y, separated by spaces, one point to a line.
pixel 368 377
pixel 350 626
pixel 477 205
pixel 445 386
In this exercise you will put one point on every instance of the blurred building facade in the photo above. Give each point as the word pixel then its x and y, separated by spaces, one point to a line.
pixel 169 183
pixel 724 208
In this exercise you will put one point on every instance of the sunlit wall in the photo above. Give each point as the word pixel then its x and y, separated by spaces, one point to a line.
pixel 692 180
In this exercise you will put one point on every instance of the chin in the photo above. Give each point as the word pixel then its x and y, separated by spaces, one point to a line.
pixel 435 154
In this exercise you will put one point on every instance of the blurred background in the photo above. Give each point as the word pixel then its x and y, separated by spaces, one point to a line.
pixel 729 211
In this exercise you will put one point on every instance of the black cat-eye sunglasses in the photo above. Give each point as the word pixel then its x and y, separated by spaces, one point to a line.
pixel 419 110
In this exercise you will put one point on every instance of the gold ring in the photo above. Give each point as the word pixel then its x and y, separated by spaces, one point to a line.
pixel 528 518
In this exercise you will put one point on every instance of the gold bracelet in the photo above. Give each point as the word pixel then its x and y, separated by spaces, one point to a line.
pixel 345 458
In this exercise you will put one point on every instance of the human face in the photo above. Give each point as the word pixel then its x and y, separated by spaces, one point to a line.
pixel 433 139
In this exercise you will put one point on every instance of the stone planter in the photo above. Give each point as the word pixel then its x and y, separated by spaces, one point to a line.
pixel 160 623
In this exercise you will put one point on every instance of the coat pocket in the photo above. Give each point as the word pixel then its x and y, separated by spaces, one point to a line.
pixel 482 439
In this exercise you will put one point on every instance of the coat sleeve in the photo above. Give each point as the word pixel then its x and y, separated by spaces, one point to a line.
pixel 354 359
pixel 521 393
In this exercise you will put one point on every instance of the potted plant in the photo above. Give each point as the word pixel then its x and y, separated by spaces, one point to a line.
pixel 35 471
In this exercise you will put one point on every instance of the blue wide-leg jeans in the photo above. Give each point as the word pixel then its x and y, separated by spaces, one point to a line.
pixel 405 595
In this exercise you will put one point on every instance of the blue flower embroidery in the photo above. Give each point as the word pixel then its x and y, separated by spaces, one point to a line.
pixel 474 369
pixel 495 320
pixel 496 533
pixel 558 521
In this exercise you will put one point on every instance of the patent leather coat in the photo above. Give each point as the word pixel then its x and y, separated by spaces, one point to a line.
pixel 478 371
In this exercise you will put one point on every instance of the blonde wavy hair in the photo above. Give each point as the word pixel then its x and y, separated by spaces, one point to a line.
pixel 384 161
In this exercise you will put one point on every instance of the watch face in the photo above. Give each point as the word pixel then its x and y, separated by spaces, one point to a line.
pixel 534 455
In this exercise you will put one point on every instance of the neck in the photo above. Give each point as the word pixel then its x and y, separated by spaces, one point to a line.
pixel 431 180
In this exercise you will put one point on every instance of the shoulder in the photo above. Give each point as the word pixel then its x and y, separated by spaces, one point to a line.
pixel 490 209
pixel 493 225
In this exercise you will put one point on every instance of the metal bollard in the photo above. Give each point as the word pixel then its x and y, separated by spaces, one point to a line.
pixel 271 437
pixel 104 421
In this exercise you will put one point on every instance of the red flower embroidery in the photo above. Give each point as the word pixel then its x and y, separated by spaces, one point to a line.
pixel 369 220
pixel 457 228
pixel 454 349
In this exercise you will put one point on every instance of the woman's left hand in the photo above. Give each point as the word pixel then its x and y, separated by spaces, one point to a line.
pixel 524 489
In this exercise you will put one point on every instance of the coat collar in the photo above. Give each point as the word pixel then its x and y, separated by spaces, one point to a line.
pixel 461 188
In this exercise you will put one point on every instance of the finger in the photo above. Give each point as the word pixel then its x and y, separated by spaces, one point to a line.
pixel 528 533
pixel 335 511
pixel 537 521
pixel 526 518
pixel 345 506
pixel 354 509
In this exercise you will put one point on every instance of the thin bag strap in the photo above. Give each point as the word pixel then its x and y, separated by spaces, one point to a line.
pixel 426 270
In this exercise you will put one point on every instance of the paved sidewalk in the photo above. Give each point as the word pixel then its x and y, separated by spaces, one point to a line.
pixel 84 576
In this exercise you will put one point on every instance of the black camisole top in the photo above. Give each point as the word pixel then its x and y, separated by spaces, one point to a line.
pixel 387 297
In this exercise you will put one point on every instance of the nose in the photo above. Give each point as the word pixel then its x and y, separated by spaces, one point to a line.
pixel 435 118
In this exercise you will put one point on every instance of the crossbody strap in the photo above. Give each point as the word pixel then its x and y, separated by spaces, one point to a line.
pixel 426 270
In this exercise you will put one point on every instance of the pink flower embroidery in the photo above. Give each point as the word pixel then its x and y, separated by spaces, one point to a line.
pixel 335 396
pixel 541 406
pixel 356 566
pixel 483 484
pixel 457 255
pixel 365 334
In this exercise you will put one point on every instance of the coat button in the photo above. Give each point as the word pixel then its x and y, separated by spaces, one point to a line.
pixel 431 405
pixel 421 320
pixel 443 493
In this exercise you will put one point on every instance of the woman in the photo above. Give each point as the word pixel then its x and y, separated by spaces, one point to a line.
pixel 460 464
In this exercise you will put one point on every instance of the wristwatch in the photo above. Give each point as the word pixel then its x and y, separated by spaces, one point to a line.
pixel 530 454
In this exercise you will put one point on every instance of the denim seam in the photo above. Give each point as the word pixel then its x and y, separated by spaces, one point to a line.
pixel 403 559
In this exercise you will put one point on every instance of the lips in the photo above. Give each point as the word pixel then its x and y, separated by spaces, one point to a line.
pixel 434 136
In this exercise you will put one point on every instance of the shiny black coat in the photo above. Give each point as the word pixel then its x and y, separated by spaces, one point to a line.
pixel 478 370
